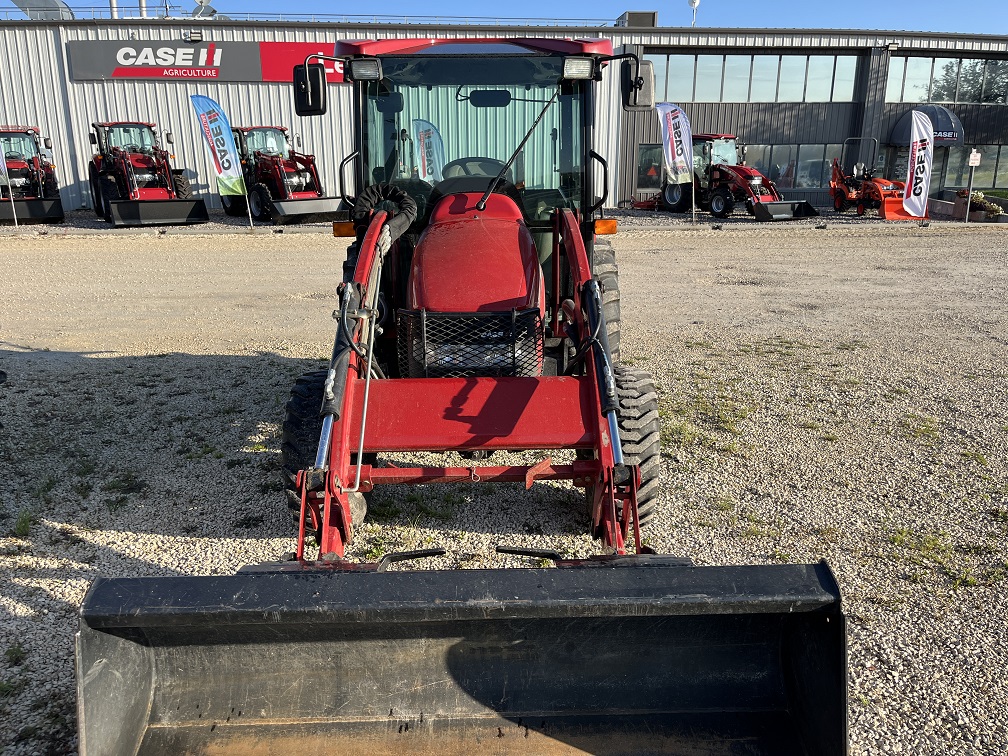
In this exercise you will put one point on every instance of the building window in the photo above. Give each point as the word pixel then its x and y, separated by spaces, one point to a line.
pixel 819 85
pixel 918 80
pixel 757 156
pixel 812 168
pixel 708 78
pixel 650 165
pixel 1001 176
pixel 680 78
pixel 736 78
pixel 782 165
pixel 996 81
pixel 660 63
pixel 971 79
pixel 764 78
pixel 791 87
pixel 945 80
pixel 983 175
pixel 894 84
pixel 843 79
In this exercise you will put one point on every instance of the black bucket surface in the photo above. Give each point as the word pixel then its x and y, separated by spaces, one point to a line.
pixel 158 212
pixel 615 660
pixel 766 212
pixel 32 211
pixel 326 207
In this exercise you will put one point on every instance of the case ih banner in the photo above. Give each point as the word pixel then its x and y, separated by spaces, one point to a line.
pixel 220 145
pixel 215 61
pixel 428 150
pixel 677 138
pixel 918 183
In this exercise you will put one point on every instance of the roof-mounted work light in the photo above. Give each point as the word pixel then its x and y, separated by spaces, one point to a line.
pixel 578 68
pixel 364 69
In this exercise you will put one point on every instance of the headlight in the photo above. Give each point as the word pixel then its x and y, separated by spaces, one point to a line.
pixel 756 181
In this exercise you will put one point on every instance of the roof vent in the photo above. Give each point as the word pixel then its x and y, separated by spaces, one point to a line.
pixel 639 19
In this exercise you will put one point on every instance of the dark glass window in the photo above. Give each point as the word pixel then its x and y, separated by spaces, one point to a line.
pixel 819 86
pixel 918 80
pixel 791 87
pixel 945 80
pixel 1001 177
pixel 680 78
pixel 660 63
pixel 894 83
pixel 812 171
pixel 764 78
pixel 971 79
pixel 650 165
pixel 736 78
pixel 758 156
pixel 957 168
pixel 983 174
pixel 843 79
pixel 782 165
pixel 996 81
pixel 708 78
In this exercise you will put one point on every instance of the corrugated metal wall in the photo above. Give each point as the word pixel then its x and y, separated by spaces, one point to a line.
pixel 37 91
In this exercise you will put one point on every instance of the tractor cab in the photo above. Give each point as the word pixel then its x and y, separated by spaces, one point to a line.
pixel 710 150
pixel 268 140
pixel 28 178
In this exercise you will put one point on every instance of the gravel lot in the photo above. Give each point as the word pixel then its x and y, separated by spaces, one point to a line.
pixel 836 393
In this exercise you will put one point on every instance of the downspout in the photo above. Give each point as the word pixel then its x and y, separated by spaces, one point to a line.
pixel 143 8
pixel 114 8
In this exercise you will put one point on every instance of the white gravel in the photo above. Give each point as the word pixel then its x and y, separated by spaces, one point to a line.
pixel 837 393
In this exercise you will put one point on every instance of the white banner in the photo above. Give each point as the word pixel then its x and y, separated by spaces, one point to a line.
pixel 220 145
pixel 918 180
pixel 677 139
pixel 428 150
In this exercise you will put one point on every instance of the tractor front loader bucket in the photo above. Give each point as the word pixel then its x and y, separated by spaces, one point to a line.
pixel 615 655
pixel 765 212
pixel 892 209
pixel 158 212
pixel 32 211
pixel 284 211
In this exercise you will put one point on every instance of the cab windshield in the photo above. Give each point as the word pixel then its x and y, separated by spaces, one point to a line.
pixel 438 124
pixel 132 137
pixel 268 141
pixel 18 146
pixel 723 152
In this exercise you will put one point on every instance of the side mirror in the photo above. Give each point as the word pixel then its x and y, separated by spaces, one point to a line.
pixel 93 138
pixel 169 137
pixel 638 94
pixel 297 140
pixel 47 143
pixel 310 89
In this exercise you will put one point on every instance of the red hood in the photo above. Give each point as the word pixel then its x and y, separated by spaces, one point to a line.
pixel 743 172
pixel 16 165
pixel 469 260
pixel 142 161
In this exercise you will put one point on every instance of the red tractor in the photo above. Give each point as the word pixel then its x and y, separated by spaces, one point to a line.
pixel 722 181
pixel 862 189
pixel 132 180
pixel 29 176
pixel 477 316
pixel 281 182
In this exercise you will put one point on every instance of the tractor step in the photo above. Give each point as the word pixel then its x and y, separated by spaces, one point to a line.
pixel 766 212
pixel 158 212
pixel 32 211
pixel 647 656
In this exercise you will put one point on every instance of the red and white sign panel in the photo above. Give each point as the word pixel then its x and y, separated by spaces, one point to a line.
pixel 224 61
pixel 918 183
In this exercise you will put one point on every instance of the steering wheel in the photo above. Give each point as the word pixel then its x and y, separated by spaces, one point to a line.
pixel 133 148
pixel 475 166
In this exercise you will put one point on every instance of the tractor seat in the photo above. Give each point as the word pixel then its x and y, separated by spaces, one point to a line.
pixel 859 171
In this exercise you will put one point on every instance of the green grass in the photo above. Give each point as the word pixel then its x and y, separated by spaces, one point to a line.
pixel 127 483
pixel 23 524
pixel 15 654
pixel 921 427
pixel 999 193
pixel 975 456
pixel 10 688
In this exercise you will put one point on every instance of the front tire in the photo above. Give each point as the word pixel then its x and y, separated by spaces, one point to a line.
pixel 109 193
pixel 607 272
pixel 183 189
pixel 721 204
pixel 260 203
pixel 233 204
pixel 839 203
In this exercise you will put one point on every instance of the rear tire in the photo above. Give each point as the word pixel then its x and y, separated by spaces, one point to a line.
pixel 861 208
pixel 183 189
pixel 676 197
pixel 640 437
pixel 260 203
pixel 607 272
pixel 110 193
pixel 299 440
pixel 839 203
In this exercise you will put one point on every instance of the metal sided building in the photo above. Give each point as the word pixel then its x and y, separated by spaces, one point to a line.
pixel 792 96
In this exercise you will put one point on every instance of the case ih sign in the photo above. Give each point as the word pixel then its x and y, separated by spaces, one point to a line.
pixel 224 61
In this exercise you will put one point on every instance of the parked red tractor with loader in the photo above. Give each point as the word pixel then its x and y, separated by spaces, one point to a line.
pixel 477 313
pixel 132 180
pixel 29 176
pixel 282 183
pixel 862 189
pixel 722 181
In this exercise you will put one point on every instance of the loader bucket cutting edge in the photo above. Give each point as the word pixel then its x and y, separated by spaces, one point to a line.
pixel 32 211
pixel 650 658
pixel 158 212
pixel 324 206
pixel 766 212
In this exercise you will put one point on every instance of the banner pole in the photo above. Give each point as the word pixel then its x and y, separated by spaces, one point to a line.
pixel 248 208
pixel 969 193
pixel 10 191
pixel 693 203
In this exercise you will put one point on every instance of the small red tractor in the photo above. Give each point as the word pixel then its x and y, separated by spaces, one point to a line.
pixel 722 181
pixel 862 189
pixel 29 176
pixel 132 180
pixel 478 315
pixel 282 183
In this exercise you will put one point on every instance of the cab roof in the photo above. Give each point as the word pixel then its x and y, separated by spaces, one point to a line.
pixel 19 129
pixel 714 136
pixel 497 45
pixel 106 124
pixel 247 129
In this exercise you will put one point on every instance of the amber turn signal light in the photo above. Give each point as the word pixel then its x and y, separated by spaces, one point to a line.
pixel 605 226
pixel 343 228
